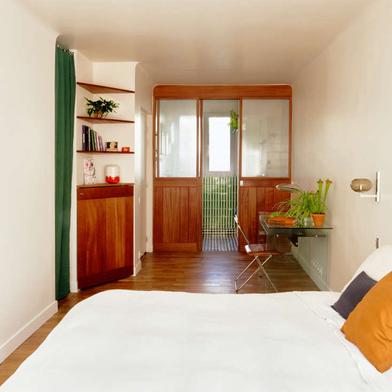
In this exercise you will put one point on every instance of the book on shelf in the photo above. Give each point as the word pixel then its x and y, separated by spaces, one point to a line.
pixel 91 141
pixel 84 137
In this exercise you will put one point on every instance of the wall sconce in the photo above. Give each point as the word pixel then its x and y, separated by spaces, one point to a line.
pixel 364 185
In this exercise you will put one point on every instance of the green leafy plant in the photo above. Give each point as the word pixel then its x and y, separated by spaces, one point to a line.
pixel 305 203
pixel 101 107
pixel 233 121
pixel 318 202
pixel 299 206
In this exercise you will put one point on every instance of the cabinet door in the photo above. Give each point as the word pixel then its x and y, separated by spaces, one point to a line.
pixel 105 234
pixel 91 252
pixel 119 233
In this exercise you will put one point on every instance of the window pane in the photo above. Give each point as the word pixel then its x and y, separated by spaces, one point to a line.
pixel 219 144
pixel 177 138
pixel 265 138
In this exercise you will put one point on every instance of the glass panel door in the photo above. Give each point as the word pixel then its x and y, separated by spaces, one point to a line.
pixel 178 135
pixel 265 137
pixel 177 182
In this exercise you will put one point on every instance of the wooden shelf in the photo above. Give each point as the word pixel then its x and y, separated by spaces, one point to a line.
pixel 106 120
pixel 104 152
pixel 98 89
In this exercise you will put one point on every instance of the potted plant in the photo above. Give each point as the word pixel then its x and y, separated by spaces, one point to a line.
pixel 101 107
pixel 318 202
pixel 296 209
pixel 233 121
pixel 303 205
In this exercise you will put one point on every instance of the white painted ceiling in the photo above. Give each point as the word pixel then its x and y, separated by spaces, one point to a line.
pixel 201 41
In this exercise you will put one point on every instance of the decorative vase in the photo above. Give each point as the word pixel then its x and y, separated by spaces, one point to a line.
pixel 112 174
pixel 318 219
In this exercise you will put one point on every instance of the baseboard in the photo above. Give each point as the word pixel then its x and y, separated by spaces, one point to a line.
pixel 74 287
pixel 138 267
pixel 313 274
pixel 26 331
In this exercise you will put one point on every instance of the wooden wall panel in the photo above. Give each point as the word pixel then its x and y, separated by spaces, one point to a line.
pixel 158 215
pixel 255 199
pixel 177 217
pixel 195 216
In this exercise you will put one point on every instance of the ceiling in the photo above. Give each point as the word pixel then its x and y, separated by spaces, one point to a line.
pixel 201 41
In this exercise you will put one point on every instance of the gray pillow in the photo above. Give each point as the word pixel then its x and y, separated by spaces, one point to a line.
pixel 353 294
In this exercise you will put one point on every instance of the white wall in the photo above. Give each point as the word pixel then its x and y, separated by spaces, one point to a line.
pixel 143 167
pixel 27 266
pixel 115 74
pixel 343 129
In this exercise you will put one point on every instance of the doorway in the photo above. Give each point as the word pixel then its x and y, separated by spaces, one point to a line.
pixel 220 180
pixel 180 156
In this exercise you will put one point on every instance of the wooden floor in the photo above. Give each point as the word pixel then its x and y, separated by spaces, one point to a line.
pixel 198 273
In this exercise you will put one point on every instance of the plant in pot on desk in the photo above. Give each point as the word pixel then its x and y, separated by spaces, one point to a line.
pixel 303 206
pixel 318 202
pixel 101 107
pixel 296 209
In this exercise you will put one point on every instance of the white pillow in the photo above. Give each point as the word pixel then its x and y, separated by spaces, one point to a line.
pixel 377 264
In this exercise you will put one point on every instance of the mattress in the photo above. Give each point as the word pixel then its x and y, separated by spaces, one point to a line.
pixel 139 341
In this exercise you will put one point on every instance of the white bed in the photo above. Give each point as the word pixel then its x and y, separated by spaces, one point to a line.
pixel 178 342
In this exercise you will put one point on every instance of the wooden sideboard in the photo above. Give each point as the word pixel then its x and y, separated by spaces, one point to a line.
pixel 104 233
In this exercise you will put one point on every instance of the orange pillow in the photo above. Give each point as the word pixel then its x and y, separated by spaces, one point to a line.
pixel 369 325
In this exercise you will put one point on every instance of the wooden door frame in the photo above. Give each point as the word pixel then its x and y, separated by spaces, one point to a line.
pixel 217 92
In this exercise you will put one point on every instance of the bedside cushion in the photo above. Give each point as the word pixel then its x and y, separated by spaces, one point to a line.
pixel 353 294
pixel 369 325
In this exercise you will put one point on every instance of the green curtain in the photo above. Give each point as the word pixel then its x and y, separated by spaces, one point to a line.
pixel 65 89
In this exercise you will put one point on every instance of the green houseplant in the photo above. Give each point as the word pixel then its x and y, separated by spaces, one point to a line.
pixel 318 202
pixel 306 204
pixel 233 121
pixel 101 107
pixel 298 208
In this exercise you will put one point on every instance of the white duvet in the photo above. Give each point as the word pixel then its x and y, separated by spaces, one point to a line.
pixel 178 342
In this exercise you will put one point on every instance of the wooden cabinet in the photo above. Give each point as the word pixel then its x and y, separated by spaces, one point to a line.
pixel 105 233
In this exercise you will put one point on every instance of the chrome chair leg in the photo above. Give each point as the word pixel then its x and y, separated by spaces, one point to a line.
pixel 246 281
pixel 242 272
pixel 261 267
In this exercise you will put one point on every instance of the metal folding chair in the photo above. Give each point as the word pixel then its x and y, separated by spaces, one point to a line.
pixel 256 251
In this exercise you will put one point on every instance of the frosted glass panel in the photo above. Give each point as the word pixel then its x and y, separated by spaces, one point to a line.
pixel 265 138
pixel 177 138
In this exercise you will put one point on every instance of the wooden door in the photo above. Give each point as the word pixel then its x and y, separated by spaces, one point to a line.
pixel 265 160
pixel 105 234
pixel 177 183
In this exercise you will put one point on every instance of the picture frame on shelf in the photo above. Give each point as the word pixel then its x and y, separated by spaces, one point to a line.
pixel 111 146
pixel 89 171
